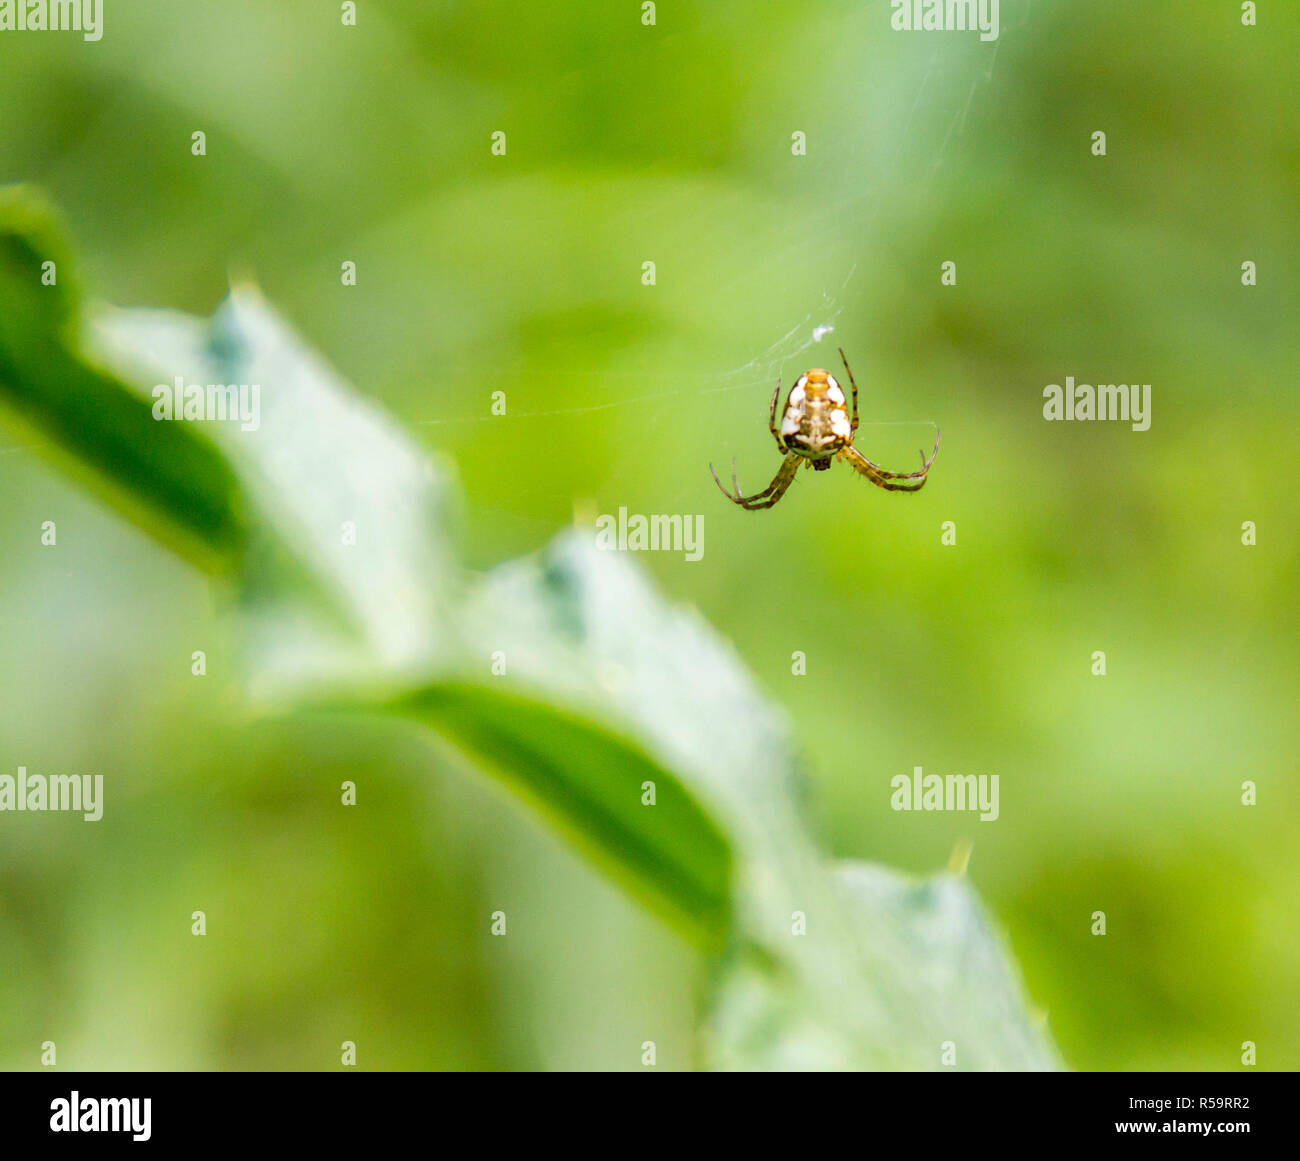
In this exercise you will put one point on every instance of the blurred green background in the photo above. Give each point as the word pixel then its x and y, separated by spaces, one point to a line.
pixel 523 273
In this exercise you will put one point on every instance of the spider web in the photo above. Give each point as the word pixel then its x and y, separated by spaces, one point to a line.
pixel 933 103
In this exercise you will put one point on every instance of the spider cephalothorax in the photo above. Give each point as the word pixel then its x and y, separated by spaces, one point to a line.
pixel 817 427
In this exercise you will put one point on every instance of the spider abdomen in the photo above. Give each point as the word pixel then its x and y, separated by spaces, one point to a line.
pixel 816 419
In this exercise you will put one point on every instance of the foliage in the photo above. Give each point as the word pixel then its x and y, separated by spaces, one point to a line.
pixel 610 692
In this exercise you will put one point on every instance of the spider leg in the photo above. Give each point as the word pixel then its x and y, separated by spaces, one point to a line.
pixel 769 495
pixel 864 467
pixel 853 420
pixel 925 464
pixel 722 488
pixel 771 417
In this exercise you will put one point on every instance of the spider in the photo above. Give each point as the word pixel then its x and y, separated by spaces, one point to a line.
pixel 815 428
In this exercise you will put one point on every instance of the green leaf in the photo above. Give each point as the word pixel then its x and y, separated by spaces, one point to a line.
pixel 350 579
pixel 892 974
pixel 960 982
pixel 591 784
pixel 608 687
pixel 318 614
pixel 168 479
pixel 887 969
